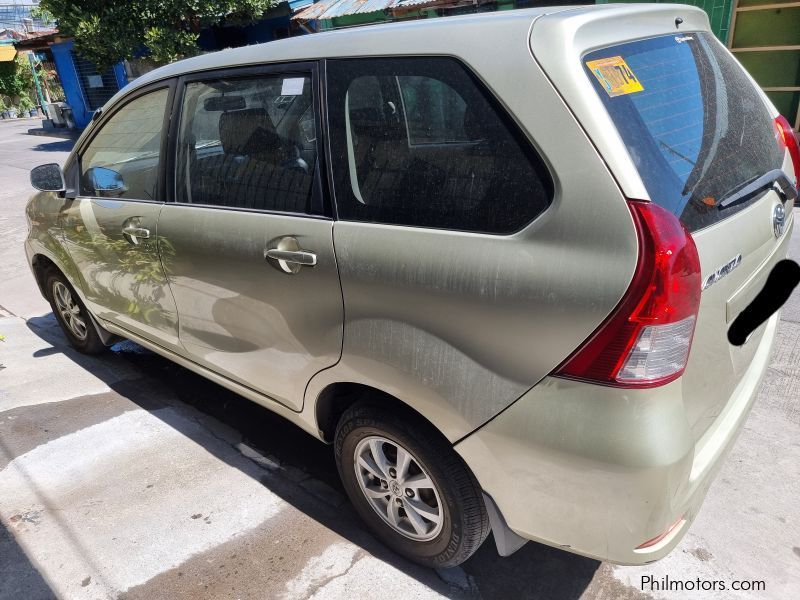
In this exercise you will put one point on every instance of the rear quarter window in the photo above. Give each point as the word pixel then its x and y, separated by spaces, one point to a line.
pixel 693 123
pixel 418 142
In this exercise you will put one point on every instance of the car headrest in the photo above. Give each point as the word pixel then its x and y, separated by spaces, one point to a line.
pixel 236 129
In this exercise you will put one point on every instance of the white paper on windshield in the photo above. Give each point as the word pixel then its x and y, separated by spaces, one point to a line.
pixel 292 86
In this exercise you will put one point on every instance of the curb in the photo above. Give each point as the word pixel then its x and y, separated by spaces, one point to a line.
pixel 65 134
pixel 18 119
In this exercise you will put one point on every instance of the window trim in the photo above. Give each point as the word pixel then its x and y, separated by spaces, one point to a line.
pixel 106 115
pixel 538 160
pixel 330 196
pixel 320 199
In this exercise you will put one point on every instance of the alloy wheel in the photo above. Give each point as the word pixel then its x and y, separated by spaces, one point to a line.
pixel 69 310
pixel 398 488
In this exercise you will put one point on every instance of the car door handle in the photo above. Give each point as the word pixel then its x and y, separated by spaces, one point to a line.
pixel 289 257
pixel 134 233
pixel 300 257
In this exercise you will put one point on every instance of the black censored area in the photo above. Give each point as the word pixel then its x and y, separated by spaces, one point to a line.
pixel 781 281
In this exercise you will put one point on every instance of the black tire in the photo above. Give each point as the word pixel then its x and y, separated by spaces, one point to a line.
pixel 90 343
pixel 465 521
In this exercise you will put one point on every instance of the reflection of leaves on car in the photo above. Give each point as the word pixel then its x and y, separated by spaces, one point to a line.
pixel 138 269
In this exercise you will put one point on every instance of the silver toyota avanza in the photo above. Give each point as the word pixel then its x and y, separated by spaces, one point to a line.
pixel 492 259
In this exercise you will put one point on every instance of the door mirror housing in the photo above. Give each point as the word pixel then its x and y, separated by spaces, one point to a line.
pixel 48 178
pixel 106 183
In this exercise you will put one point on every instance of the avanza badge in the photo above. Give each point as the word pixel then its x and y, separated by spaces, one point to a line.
pixel 722 271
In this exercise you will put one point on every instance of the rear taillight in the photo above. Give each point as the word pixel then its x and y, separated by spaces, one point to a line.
pixel 788 140
pixel 645 342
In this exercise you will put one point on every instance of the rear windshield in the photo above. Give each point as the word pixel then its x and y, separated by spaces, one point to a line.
pixel 694 124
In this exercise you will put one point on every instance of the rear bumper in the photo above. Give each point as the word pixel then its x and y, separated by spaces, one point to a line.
pixel 598 471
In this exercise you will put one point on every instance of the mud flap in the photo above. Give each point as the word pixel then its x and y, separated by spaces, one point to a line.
pixel 506 540
pixel 108 338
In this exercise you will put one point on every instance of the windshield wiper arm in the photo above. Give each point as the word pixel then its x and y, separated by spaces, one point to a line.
pixel 773 179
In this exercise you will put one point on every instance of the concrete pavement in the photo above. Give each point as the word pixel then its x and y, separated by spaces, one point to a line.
pixel 124 475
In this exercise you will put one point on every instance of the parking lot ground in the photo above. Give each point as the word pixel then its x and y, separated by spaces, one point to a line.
pixel 124 475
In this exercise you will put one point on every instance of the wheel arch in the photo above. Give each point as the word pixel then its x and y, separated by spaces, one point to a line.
pixel 336 398
pixel 41 264
pixel 49 254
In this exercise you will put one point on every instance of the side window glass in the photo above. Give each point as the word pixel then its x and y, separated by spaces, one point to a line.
pixel 434 111
pixel 419 142
pixel 122 160
pixel 248 143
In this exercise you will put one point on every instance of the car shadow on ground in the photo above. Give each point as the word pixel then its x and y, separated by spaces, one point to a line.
pixel 26 581
pixel 60 146
pixel 535 571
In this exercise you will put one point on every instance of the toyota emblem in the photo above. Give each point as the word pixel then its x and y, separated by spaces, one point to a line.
pixel 778 220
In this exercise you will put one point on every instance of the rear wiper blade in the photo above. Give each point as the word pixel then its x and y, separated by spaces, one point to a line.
pixel 773 179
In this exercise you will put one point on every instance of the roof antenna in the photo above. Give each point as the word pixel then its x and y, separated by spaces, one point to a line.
pixel 678 22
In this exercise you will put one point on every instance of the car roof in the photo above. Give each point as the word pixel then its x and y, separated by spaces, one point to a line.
pixel 477 38
pixel 358 41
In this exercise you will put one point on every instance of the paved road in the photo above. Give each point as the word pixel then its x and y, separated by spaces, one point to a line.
pixel 126 476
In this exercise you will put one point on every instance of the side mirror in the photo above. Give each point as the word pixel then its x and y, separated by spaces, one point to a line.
pixel 48 178
pixel 106 183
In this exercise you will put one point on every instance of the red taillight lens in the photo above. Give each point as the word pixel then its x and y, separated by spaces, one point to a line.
pixel 645 342
pixel 788 140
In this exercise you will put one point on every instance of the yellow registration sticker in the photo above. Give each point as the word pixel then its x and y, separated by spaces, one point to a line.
pixel 615 76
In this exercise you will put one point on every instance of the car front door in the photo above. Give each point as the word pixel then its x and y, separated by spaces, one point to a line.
pixel 110 223
pixel 251 262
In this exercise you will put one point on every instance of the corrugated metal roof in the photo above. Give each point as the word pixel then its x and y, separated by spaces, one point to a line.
pixel 404 3
pixel 329 9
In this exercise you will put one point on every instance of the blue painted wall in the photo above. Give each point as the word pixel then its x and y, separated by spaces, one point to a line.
pixel 210 39
pixel 65 66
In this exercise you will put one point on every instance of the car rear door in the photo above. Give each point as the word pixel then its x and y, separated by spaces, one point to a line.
pixel 248 242
pixel 461 289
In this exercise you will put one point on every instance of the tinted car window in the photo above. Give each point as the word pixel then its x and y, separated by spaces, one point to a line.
pixel 433 110
pixel 417 141
pixel 122 159
pixel 694 124
pixel 248 143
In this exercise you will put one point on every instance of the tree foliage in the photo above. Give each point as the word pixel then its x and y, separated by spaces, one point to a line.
pixel 16 78
pixel 106 31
